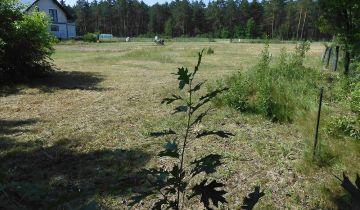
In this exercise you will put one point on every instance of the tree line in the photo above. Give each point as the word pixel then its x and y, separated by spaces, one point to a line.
pixel 277 19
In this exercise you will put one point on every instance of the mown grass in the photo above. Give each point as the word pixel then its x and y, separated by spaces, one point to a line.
pixel 92 134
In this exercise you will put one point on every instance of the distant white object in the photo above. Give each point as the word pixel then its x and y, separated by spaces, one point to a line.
pixel 105 36
pixel 127 39
pixel 158 41
pixel 239 40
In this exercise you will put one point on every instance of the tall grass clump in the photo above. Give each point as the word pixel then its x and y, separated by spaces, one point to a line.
pixel 347 124
pixel 279 91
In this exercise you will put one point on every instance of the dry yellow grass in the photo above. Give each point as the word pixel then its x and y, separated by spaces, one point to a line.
pixel 88 128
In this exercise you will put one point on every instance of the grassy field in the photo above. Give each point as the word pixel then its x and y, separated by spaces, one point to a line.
pixel 84 133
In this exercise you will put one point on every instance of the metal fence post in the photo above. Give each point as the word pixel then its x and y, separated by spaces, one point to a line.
pixel 318 122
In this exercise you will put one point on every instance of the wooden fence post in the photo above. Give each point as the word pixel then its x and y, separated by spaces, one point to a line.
pixel 325 53
pixel 318 122
pixel 328 57
pixel 346 62
pixel 335 64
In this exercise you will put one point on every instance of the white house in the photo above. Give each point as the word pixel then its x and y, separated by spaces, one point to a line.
pixel 62 25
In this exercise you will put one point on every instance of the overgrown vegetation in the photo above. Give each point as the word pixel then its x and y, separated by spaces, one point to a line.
pixel 174 184
pixel 348 123
pixel 341 19
pixel 76 144
pixel 25 43
pixel 280 92
pixel 90 37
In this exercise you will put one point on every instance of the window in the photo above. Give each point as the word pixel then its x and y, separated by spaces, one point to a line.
pixel 54 28
pixel 53 15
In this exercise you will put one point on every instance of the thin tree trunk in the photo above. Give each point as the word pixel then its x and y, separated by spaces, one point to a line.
pixel 298 26
pixel 272 26
pixel 302 29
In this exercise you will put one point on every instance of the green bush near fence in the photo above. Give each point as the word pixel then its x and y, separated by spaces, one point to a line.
pixel 279 91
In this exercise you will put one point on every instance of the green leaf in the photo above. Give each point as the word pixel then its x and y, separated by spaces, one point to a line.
pixel 251 200
pixel 184 77
pixel 170 99
pixel 171 150
pixel 196 69
pixel 206 98
pixel 200 117
pixel 213 93
pixel 198 86
pixel 222 134
pixel 209 192
pixel 206 164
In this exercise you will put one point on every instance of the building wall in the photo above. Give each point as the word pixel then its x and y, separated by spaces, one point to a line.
pixel 45 5
pixel 65 30
pixel 71 30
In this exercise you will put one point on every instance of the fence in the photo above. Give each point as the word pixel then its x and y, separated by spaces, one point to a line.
pixel 331 58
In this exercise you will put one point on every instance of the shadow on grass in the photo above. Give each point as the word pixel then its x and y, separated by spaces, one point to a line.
pixel 35 176
pixel 8 127
pixel 69 80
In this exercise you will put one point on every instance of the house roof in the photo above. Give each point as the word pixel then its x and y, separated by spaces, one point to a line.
pixel 30 3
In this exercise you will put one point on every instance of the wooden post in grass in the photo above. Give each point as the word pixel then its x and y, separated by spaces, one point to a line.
pixel 318 122
pixel 325 53
pixel 346 62
pixel 335 64
pixel 328 57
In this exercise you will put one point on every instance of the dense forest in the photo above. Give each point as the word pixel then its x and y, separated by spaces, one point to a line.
pixel 276 19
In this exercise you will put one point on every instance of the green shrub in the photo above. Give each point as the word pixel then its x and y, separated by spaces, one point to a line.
pixel 354 89
pixel 344 125
pixel 25 43
pixel 90 37
pixel 210 51
pixel 277 92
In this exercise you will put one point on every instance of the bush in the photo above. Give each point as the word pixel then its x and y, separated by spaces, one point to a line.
pixel 354 89
pixel 344 125
pixel 277 92
pixel 210 51
pixel 25 43
pixel 90 37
